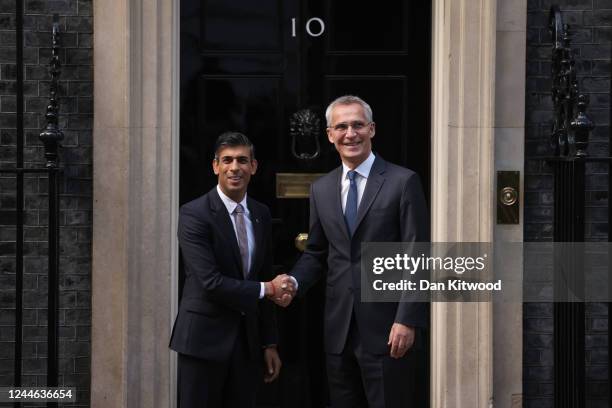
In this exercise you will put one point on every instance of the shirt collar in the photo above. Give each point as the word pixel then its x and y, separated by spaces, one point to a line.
pixel 363 169
pixel 231 204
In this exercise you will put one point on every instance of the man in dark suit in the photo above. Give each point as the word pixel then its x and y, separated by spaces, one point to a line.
pixel 224 325
pixel 374 351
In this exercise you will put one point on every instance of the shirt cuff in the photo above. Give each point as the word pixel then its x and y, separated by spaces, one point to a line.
pixel 295 282
pixel 262 290
pixel 265 346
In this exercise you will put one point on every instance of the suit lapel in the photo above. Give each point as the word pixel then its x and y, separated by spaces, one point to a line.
pixel 373 185
pixel 223 221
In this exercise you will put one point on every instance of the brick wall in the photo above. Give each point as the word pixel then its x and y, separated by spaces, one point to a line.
pixel 76 107
pixel 591 22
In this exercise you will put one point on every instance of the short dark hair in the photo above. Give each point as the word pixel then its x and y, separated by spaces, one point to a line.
pixel 233 139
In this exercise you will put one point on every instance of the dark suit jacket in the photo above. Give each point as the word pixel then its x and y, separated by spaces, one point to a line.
pixel 216 298
pixel 392 209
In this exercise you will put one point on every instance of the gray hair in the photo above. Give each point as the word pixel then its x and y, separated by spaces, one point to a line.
pixel 348 100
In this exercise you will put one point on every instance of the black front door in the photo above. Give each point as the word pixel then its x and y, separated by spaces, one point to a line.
pixel 268 68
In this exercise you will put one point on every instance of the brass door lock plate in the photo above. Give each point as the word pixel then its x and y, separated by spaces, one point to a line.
pixel 508 197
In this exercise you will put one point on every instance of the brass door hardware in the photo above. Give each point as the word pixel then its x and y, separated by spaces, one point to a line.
pixel 295 185
pixel 508 197
pixel 300 241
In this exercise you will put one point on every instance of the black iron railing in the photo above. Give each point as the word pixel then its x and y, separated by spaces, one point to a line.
pixel 569 139
pixel 571 125
pixel 569 318
pixel 51 136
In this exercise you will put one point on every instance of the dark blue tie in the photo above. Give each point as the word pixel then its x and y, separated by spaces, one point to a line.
pixel 350 211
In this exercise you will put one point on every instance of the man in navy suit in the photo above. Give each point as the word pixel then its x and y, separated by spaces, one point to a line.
pixel 375 352
pixel 225 327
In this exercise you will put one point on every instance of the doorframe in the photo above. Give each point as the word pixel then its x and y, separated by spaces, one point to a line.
pixel 478 107
pixel 135 206
pixel 136 141
pixel 463 101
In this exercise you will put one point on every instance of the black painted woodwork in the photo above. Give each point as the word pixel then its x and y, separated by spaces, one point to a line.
pixel 241 69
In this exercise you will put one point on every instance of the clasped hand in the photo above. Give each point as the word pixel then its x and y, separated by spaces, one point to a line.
pixel 281 290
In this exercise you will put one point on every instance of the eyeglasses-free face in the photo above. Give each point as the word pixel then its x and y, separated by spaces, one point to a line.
pixel 234 168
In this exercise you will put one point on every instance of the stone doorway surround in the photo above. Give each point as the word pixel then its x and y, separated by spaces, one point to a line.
pixel 478 105
pixel 478 83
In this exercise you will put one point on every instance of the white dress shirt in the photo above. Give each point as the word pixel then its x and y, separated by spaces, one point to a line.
pixel 231 205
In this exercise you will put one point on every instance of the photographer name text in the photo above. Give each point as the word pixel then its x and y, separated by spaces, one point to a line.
pixel 426 285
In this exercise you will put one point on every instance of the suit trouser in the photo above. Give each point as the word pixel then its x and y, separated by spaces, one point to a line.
pixel 212 384
pixel 361 379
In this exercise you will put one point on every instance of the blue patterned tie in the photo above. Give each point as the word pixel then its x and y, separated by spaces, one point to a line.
pixel 350 211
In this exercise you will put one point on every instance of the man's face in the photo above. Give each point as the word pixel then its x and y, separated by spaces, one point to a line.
pixel 234 168
pixel 351 133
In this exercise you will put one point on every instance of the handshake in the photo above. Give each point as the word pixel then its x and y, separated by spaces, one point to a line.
pixel 281 289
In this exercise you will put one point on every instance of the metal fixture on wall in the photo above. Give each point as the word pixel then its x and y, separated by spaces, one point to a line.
pixel 508 206
pixel 570 130
pixel 52 134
